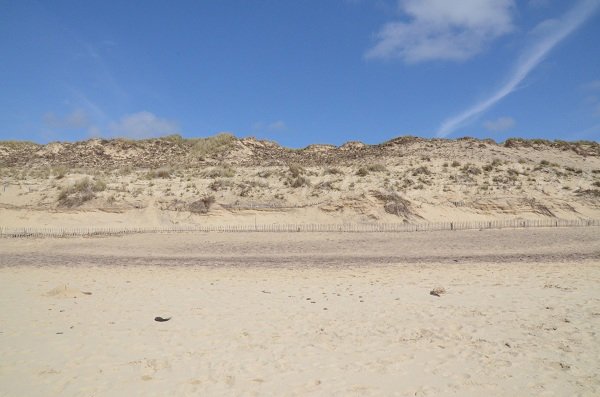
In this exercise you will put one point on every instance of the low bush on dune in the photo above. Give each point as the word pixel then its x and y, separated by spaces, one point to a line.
pixel 326 185
pixel 220 184
pixel 159 173
pixel 80 192
pixel 376 167
pixel 591 193
pixel 332 171
pixel 362 171
pixel 471 169
pixel 264 173
pixel 423 170
pixel 223 171
pixel 489 167
pixel 297 182
pixel 201 206
pixel 295 170
pixel 394 203
pixel 296 177
pixel 59 172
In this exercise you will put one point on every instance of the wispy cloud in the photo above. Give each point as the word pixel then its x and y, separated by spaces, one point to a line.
pixel 443 30
pixel 554 33
pixel 78 119
pixel 275 126
pixel 500 124
pixel 92 108
pixel 142 125
pixel 592 101
pixel 592 85
pixel 538 3
pixel 589 133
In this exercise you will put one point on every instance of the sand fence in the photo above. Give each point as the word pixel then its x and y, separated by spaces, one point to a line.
pixel 24 232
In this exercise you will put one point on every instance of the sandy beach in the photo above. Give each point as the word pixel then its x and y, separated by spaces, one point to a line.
pixel 303 314
pixel 336 198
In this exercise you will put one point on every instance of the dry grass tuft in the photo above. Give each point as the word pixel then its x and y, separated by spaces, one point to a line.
pixel 222 171
pixel 80 192
pixel 297 182
pixel 206 147
pixel 376 168
pixel 394 204
pixel 201 206
pixel 159 173
pixel 332 171
pixel 295 170
pixel 60 171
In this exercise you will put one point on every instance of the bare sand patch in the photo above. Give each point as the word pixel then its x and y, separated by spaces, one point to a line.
pixel 314 324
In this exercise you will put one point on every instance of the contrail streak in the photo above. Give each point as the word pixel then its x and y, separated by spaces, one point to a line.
pixel 528 61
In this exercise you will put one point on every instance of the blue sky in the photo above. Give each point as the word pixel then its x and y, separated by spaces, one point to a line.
pixel 300 72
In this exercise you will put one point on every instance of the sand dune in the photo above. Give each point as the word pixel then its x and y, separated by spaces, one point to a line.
pixel 224 180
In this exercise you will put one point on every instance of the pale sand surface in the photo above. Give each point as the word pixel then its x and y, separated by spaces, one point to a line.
pixel 303 314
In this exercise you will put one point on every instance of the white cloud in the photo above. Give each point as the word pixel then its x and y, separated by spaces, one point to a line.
pixel 500 124
pixel 443 30
pixel 274 126
pixel 554 33
pixel 143 125
pixel 78 119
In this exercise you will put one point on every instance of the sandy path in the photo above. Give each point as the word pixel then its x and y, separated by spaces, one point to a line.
pixel 368 328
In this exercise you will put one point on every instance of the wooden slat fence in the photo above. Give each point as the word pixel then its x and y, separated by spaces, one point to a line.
pixel 22 232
